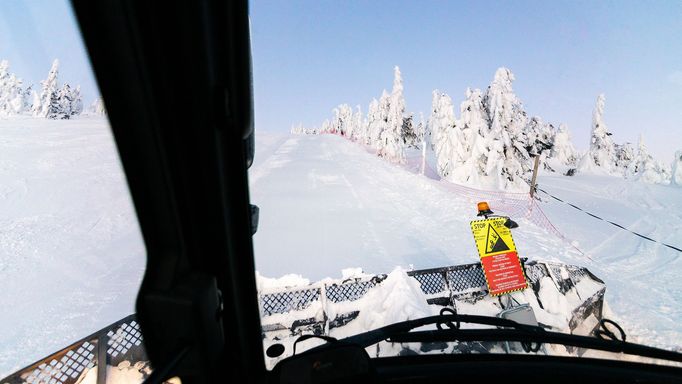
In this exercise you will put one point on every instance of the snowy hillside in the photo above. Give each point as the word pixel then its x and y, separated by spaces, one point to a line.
pixel 328 204
pixel 71 254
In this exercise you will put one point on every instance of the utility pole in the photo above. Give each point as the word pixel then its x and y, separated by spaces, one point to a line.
pixel 535 175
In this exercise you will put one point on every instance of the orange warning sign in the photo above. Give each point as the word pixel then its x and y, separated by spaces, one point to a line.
pixel 500 262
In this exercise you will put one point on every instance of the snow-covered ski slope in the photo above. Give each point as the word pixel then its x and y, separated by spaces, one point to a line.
pixel 71 254
pixel 328 204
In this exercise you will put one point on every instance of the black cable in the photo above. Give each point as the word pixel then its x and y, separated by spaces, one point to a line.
pixel 611 222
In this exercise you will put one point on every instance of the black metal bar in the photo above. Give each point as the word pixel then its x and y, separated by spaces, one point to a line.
pixel 102 341
pixel 548 337
pixel 160 374
pixel 372 337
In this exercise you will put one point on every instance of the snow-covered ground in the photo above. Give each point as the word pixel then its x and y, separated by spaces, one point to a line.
pixel 71 253
pixel 327 204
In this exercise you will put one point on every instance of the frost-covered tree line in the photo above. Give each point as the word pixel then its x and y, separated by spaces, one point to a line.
pixel 386 127
pixel 493 142
pixel 606 156
pixel 49 99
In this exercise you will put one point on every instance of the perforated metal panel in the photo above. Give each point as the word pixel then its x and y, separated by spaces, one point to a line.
pixel 349 291
pixel 466 279
pixel 431 282
pixel 283 302
pixel 64 369
pixel 123 340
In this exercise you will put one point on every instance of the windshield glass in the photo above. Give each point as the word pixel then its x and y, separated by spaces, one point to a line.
pixel 71 251
pixel 380 126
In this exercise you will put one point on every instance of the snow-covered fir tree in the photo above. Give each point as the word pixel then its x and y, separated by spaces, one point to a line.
pixel 421 130
pixel 374 124
pixel 11 92
pixel 391 142
pixel 676 171
pixel 507 158
pixel 474 125
pixel 644 168
pixel 64 102
pixel 342 121
pixel 359 128
pixel 602 152
pixel 624 156
pixel 563 150
pixel 27 98
pixel 48 103
pixel 76 107
pixel 97 107
pixel 446 134
pixel 408 132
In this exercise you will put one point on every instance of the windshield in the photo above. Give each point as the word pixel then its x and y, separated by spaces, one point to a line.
pixel 71 251
pixel 380 127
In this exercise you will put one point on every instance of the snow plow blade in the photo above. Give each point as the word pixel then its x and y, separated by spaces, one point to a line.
pixel 322 308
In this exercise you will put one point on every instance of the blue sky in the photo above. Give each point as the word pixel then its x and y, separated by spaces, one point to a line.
pixel 33 33
pixel 310 56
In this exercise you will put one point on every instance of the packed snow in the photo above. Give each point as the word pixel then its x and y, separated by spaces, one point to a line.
pixel 71 253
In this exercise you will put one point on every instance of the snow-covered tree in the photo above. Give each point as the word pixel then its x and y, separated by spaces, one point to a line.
pixel 408 132
pixel 446 133
pixel 624 156
pixel 27 97
pixel 97 107
pixel 11 92
pixel 391 142
pixel 644 168
pixel 602 152
pixel 421 130
pixel 474 125
pixel 378 119
pixel 359 128
pixel 326 127
pixel 676 174
pixel 64 101
pixel 76 101
pixel 563 150
pixel 507 158
pixel 48 103
pixel 342 121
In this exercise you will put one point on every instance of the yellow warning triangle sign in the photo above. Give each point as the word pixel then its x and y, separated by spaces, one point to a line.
pixel 492 237
pixel 494 242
